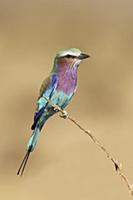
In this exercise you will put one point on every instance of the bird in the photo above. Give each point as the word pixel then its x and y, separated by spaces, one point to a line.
pixel 59 87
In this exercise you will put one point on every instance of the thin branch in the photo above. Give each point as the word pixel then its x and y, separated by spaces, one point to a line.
pixel 117 165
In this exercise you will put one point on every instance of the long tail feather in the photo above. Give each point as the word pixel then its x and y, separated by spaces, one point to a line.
pixel 23 163
pixel 33 139
pixel 30 147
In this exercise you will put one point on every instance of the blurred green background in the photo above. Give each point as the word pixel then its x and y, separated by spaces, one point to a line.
pixel 66 164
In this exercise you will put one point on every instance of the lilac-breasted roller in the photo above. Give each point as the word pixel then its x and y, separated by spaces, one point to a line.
pixel 59 87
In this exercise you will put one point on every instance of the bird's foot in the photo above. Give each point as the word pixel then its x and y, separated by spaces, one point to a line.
pixel 56 108
pixel 64 114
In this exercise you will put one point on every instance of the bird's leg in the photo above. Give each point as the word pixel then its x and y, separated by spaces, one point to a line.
pixel 64 114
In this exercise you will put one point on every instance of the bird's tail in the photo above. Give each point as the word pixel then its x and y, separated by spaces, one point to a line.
pixel 30 147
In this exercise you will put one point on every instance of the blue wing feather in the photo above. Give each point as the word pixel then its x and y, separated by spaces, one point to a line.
pixel 42 102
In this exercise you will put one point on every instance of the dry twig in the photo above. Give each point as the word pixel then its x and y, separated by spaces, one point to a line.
pixel 117 165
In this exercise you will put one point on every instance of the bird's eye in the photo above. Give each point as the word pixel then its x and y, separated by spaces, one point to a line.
pixel 70 56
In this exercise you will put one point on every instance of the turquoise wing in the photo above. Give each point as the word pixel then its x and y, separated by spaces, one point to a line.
pixel 47 89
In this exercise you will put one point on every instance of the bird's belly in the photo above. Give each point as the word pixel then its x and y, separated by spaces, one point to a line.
pixel 61 99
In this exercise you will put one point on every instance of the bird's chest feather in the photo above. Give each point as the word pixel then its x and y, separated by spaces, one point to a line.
pixel 67 81
pixel 66 87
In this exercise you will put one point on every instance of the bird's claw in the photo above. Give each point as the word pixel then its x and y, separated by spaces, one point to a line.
pixel 56 108
pixel 64 114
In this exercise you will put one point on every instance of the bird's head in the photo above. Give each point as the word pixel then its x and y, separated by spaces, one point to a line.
pixel 70 57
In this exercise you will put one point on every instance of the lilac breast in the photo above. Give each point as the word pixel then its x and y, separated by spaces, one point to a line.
pixel 67 79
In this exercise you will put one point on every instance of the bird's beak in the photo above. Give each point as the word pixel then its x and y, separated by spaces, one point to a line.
pixel 83 56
